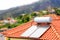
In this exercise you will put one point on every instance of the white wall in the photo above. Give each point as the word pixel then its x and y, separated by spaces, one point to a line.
pixel 2 37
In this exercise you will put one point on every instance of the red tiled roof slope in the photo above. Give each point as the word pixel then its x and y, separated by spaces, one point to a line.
pixel 51 34
pixel 54 32
pixel 15 32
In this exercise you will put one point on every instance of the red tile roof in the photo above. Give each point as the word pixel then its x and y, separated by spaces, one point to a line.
pixel 53 33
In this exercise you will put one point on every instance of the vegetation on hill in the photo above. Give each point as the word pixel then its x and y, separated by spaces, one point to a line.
pixel 23 18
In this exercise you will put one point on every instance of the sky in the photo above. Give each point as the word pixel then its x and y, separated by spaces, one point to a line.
pixel 6 4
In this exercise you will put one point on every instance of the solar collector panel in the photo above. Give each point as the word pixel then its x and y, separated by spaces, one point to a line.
pixel 39 32
pixel 34 31
pixel 29 31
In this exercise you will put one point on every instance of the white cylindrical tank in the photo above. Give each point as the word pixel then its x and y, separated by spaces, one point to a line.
pixel 43 19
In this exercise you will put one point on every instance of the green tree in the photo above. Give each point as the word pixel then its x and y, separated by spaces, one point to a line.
pixel 33 14
pixel 58 12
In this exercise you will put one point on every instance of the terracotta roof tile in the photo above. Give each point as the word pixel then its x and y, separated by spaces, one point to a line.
pixel 19 29
pixel 53 33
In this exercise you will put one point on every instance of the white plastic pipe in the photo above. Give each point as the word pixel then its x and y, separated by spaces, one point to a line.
pixel 42 19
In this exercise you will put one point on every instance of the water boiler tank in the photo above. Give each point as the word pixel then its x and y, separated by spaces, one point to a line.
pixel 43 19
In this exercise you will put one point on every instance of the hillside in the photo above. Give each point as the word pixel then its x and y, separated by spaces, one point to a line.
pixel 40 5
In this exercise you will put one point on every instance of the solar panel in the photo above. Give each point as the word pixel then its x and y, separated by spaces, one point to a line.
pixel 34 31
pixel 29 31
pixel 39 32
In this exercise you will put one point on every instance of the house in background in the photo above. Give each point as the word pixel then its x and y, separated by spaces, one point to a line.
pixel 9 20
pixel 52 32
pixel 51 10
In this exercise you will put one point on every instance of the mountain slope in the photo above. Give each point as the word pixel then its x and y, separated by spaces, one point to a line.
pixel 40 5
